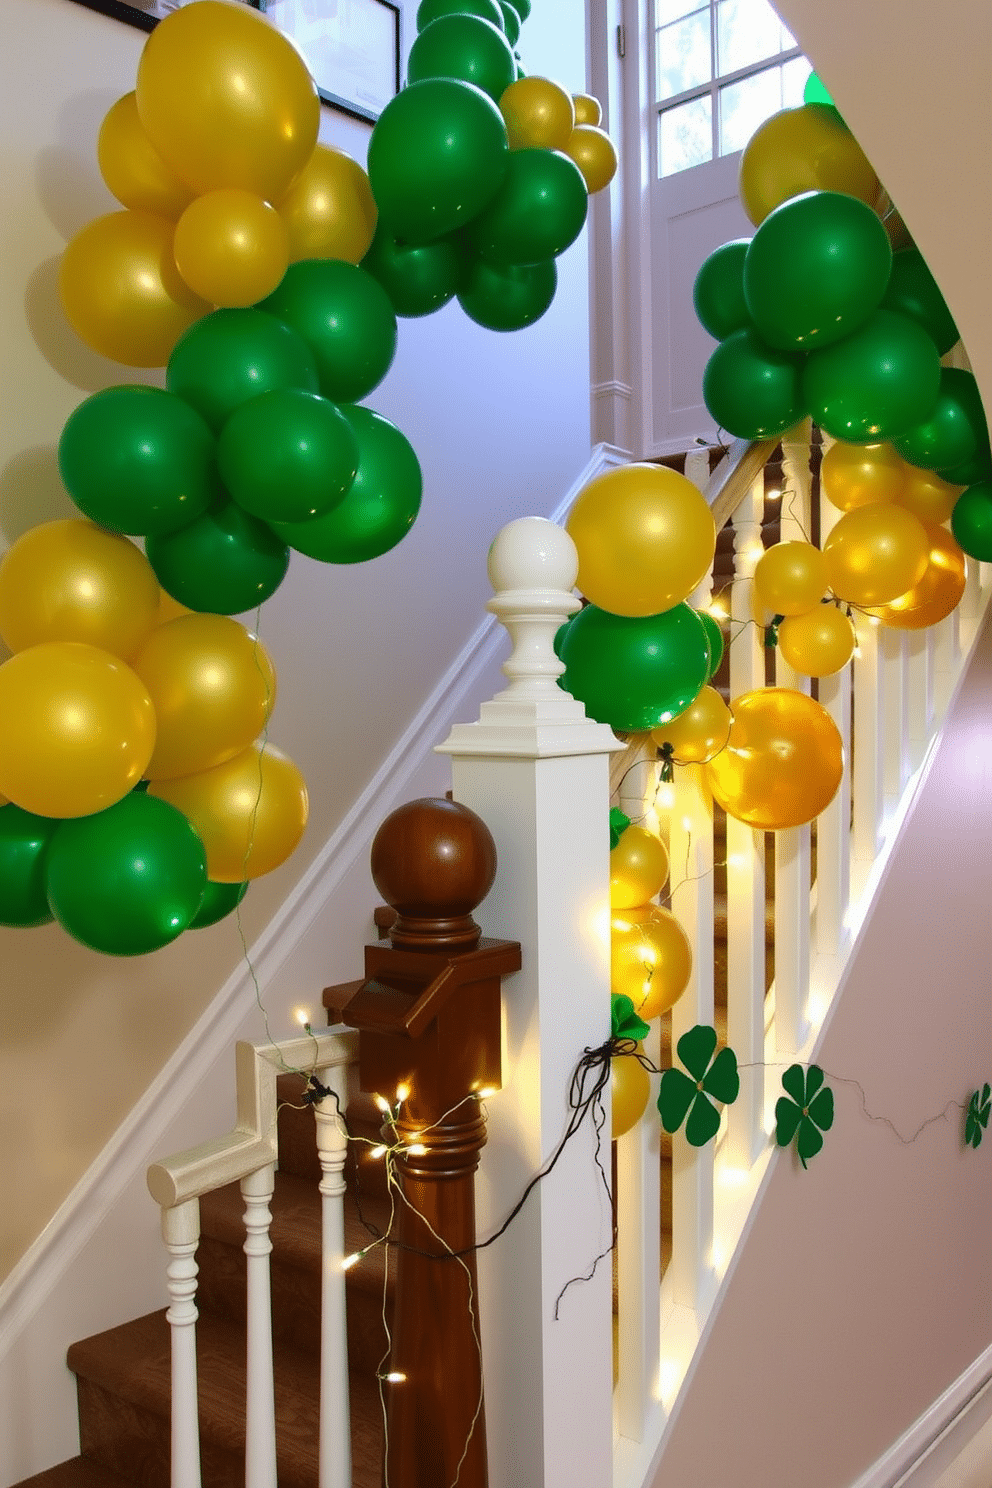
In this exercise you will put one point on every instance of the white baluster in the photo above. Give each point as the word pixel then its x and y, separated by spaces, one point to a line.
pixel 947 659
pixel 181 1233
pixel 896 710
pixel 260 1425
pixel 920 696
pixel 868 746
pixel 332 1148
pixel 833 826
pixel 746 862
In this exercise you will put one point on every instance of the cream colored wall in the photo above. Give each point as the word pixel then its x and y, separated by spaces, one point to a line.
pixel 502 428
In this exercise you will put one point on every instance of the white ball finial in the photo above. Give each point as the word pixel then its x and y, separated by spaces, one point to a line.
pixel 533 553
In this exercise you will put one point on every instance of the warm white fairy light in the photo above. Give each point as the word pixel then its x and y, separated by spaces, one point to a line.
pixel 417 1149
pixel 302 1016
pixel 382 1103
pixel 718 610
pixel 773 495
pixel 395 1377
pixel 351 1260
pixel 402 1092
pixel 487 1092
pixel 666 795
pixel 378 1151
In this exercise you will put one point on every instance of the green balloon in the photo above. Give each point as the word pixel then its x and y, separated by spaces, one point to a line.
pixel 634 673
pixel 511 21
pixel 913 291
pixel 815 92
pixel 345 317
pixel 381 505
pixel 537 212
pixel 24 840
pixel 718 291
pixel 233 355
pixel 431 10
pixel 287 455
pixel 138 460
pixel 752 390
pixel 816 269
pixel 127 880
pixel 219 900
pixel 714 637
pixel 224 563
pixel 437 154
pixel 971 473
pixel 463 46
pixel 971 521
pixel 420 280
pixel 875 385
pixel 955 433
pixel 522 7
pixel 508 299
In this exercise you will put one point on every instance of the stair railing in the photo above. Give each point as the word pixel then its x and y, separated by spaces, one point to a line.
pixel 248 1155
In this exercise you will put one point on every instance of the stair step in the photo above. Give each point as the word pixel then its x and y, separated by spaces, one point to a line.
pixel 78 1472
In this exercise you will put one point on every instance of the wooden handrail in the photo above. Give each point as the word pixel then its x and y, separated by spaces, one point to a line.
pixel 735 475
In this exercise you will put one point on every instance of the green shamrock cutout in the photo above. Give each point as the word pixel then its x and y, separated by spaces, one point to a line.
pixel 624 1022
pixel 689 1094
pixel 807 1114
pixel 978 1116
pixel 619 822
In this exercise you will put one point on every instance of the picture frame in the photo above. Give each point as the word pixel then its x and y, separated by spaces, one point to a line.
pixel 352 47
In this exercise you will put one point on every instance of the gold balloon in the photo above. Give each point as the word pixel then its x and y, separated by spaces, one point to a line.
pixel 213 687
pixel 227 100
pixel 854 475
pixel 74 581
pixel 818 643
pixel 594 153
pixel 875 553
pixel 650 958
pixel 791 578
pixel 802 149
pixel 699 732
pixel 638 868
pixel 783 762
pixel 132 167
pixel 250 812
pixel 630 1091
pixel 231 247
pixel 939 591
pixel 78 729
pixel 122 292
pixel 588 110
pixel 329 211
pixel 645 538
pixel 927 496
pixel 169 608
pixel 539 114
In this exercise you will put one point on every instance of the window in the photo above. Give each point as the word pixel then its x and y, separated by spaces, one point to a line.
pixel 721 68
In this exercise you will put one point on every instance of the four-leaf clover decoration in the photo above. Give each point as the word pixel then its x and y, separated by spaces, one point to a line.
pixel 681 1094
pixel 807 1114
pixel 619 822
pixel 624 1022
pixel 977 1118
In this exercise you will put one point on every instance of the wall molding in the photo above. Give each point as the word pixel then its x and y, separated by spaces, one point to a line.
pixel 138 1137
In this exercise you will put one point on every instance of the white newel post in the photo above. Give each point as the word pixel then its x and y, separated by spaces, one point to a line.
pixel 181 1234
pixel 537 771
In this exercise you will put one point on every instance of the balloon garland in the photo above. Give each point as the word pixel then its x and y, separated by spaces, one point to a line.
pixel 139 793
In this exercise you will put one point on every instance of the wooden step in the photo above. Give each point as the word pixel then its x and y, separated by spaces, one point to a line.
pixel 78 1472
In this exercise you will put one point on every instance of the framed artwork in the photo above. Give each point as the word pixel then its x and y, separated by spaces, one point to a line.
pixel 352 47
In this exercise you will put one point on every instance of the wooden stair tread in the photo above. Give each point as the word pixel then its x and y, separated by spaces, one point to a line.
pixel 77 1472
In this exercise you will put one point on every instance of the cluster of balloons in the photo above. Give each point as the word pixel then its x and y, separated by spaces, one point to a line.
pixel 481 174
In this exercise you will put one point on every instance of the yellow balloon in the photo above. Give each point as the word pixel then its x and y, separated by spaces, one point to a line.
pixel 227 100
pixel 169 608
pixel 650 958
pixel 74 581
pixel 802 149
pixel 645 538
pixel 791 578
pixel 329 211
pixel 594 153
pixel 699 732
pixel 927 496
pixel 630 1090
pixel 231 247
pixel 818 643
pixel 213 687
pixel 854 475
pixel 250 812
pixel 783 762
pixel 588 110
pixel 638 868
pixel 939 591
pixel 122 292
pixel 78 729
pixel 132 167
pixel 539 114
pixel 875 553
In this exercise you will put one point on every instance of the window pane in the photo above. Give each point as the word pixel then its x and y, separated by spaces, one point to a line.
pixel 745 105
pixel 747 31
pixel 673 10
pixel 683 55
pixel 794 78
pixel 685 136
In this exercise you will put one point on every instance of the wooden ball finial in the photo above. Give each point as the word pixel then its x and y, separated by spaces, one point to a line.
pixel 433 861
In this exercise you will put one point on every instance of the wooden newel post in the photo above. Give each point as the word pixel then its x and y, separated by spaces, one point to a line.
pixel 428 1014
